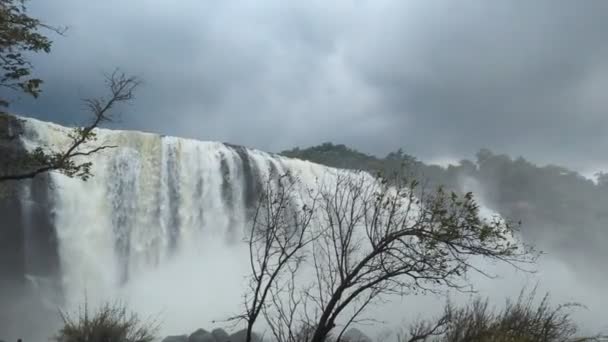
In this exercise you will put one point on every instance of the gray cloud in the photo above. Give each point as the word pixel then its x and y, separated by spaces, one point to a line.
pixel 438 78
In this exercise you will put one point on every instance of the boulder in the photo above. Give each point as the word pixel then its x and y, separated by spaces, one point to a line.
pixel 201 335
pixel 241 336
pixel 355 335
pixel 176 338
pixel 220 335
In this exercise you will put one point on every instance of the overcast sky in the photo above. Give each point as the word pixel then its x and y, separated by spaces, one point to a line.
pixel 441 79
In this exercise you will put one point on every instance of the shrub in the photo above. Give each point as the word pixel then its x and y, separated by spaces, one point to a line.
pixel 519 321
pixel 111 322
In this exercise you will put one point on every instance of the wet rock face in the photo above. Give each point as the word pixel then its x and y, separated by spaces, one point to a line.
pixel 355 335
pixel 253 181
pixel 201 335
pixel 217 335
pixel 220 335
pixel 12 243
pixel 12 151
pixel 28 242
pixel 241 336
pixel 176 338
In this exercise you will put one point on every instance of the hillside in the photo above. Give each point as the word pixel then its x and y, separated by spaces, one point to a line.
pixel 561 211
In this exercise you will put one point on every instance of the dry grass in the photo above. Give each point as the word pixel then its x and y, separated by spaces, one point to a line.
pixel 109 323
pixel 523 320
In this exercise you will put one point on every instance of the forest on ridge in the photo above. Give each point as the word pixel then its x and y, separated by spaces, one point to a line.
pixel 561 211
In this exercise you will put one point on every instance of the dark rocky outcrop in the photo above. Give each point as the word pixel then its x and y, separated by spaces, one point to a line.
pixel 12 239
pixel 24 204
pixel 217 335
pixel 29 259
pixel 220 335
pixel 201 335
pixel 241 336
pixel 173 186
pixel 176 338
pixel 355 335
pixel 252 178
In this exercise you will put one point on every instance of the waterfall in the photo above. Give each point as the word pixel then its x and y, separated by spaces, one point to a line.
pixel 160 223
pixel 159 226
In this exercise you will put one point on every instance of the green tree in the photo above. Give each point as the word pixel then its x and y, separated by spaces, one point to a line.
pixel 602 179
pixel 21 34
pixel 71 160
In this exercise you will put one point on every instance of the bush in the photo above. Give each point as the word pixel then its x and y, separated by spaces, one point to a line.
pixel 519 321
pixel 109 323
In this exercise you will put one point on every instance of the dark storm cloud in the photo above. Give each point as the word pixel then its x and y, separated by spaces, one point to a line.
pixel 438 78
pixel 517 78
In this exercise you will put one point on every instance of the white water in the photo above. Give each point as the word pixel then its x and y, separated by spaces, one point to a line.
pixel 159 226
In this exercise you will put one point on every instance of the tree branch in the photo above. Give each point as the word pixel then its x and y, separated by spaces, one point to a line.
pixel 122 89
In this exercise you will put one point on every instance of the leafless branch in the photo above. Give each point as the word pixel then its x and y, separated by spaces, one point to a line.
pixel 372 239
pixel 279 233
pixel 122 88
pixel 381 239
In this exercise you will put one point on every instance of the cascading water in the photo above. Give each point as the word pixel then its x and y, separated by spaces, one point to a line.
pixel 161 219
pixel 159 225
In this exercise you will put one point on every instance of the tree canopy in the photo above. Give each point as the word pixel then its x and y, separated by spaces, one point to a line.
pixel 562 211
pixel 21 35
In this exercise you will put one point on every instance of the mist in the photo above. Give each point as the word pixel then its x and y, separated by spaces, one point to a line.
pixel 185 266
pixel 203 286
pixel 216 275
pixel 199 287
pixel 506 100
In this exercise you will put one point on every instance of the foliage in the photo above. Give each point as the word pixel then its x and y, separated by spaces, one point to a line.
pixel 371 239
pixel 69 160
pixel 385 238
pixel 519 321
pixel 338 156
pixel 20 35
pixel 109 323
pixel 563 211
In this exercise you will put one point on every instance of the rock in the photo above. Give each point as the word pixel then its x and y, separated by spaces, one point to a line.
pixel 355 335
pixel 241 336
pixel 201 335
pixel 176 338
pixel 220 335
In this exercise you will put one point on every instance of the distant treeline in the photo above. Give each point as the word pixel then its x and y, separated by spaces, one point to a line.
pixel 561 211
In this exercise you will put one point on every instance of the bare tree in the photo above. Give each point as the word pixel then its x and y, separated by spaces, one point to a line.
pixel 279 233
pixel 283 313
pixel 384 238
pixel 376 238
pixel 68 161
pixel 422 331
